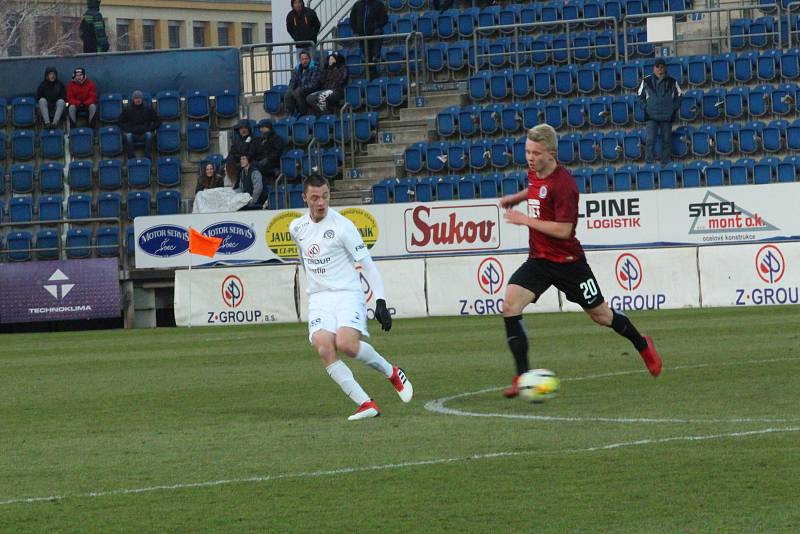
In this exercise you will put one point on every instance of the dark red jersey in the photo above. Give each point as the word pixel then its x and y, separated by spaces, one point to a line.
pixel 554 198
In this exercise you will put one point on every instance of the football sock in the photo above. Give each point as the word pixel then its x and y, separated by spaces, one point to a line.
pixel 342 375
pixel 624 327
pixel 517 341
pixel 369 356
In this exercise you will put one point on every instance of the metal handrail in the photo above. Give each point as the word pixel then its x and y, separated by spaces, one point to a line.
pixel 285 191
pixel 293 48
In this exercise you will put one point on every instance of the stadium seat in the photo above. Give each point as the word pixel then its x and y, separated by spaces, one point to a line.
pixel 292 163
pixel 107 241
pixel 197 105
pixel 501 152
pixel 622 178
pixel 78 243
pixel 139 172
pixel 168 105
pixel 436 156
pixel 138 204
pixel 490 185
pixel 646 177
pixel 3 140
pixel 109 205
pixel 79 175
pixel 789 169
pixel 168 138
pixel 226 104
pixel 576 111
pixel 447 187
pixel 381 192
pixel 742 171
pixel 415 157
pixel 273 98
pixel 19 246
pixel 79 207
pixel 22 145
pixel 47 244
pixel 424 189
pixel 725 139
pixel 511 118
pixel 458 155
pixel 81 142
pixel 469 120
pixel 168 202
pixel 21 178
pixel 716 173
pixel 168 171
pixel 130 240
pixel 447 121
pixel 20 209
pixel 693 173
pixel 702 141
pixel 568 148
pixel 332 161
pixel 608 76
pixel 750 137
pixel 397 91
pixel 721 68
pixel 365 126
pixel 375 93
pixel 698 69
pixel 109 174
pixel 51 177
pixel 50 207
pixel 589 147
pixel 670 175
pixel 599 110
pixel 468 186
pixel 490 118
pixel 600 179
pixel 404 189
pixel 735 101
pixel 773 134
pixel 479 86
pixel 611 145
pixel 110 107
pixel 480 154
pixel 52 144
pixel 3 106
pixel 110 141
pixel 197 137
pixel 23 112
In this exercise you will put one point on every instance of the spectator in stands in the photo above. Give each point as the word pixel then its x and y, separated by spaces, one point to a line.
pixel 209 178
pixel 93 29
pixel 138 121
pixel 368 17
pixel 304 81
pixel 268 150
pixel 81 97
pixel 332 82
pixel 52 98
pixel 302 22
pixel 250 181
pixel 660 96
pixel 243 144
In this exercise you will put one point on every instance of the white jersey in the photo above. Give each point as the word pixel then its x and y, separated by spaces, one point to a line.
pixel 329 250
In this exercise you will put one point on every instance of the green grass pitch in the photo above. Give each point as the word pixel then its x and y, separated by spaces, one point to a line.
pixel 239 429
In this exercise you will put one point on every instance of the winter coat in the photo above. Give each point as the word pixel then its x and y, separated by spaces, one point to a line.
pixel 268 151
pixel 306 79
pixel 241 146
pixel 250 181
pixel 93 31
pixel 81 93
pixel 303 26
pixel 368 17
pixel 334 78
pixel 660 99
pixel 51 91
pixel 138 119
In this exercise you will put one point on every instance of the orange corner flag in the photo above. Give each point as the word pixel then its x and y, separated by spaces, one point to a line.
pixel 203 245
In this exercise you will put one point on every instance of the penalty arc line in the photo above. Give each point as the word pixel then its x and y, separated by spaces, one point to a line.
pixel 386 467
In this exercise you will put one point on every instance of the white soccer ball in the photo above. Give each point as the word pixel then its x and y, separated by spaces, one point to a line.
pixel 538 385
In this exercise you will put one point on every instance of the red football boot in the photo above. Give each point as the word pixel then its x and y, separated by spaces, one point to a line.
pixel 651 358
pixel 513 390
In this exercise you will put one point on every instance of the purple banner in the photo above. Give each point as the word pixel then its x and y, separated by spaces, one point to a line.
pixel 59 290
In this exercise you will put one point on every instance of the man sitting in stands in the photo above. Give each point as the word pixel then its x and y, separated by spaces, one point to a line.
pixel 81 97
pixel 138 122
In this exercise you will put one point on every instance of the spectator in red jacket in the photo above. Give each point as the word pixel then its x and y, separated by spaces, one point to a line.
pixel 81 97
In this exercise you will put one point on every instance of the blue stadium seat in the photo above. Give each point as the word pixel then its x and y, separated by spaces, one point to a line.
pixel 502 152
pixel 621 109
pixel 735 100
pixel 79 207
pixel 600 179
pixel 197 137
pixel 457 55
pixel 168 202
pixel 500 84
pixel 721 68
pixel 632 145
pixel 512 118
pixel 110 141
pixel 21 178
pixel 380 192
pixel 586 77
pixel 490 118
pixel 110 107
pixel 761 32
pixel 22 145
pixel 365 126
pixel 47 244
pixel 702 140
pixel 446 24
pixel 744 66
pixel 698 70
pixel 404 189
pixel 469 120
pixel 51 177
pixel 790 64
pixel 322 129
pixel 447 121
pixel 139 172
pixel 424 189
pixel 344 29
pixel 375 93
pixel 458 155
pixel 168 105
pixel 107 241
pixel 767 65
pixel 773 134
pixel 226 104
pixel 750 137
pixel 680 141
pixel 19 246
pixel 20 209
pixel 168 171
pixel 764 172
pixel 283 127
pixel 690 105
pixel 50 207
pixel 397 91
pixel 589 147
pixel 543 81
pixel 742 171
pixel 138 204
pixel 415 157
pixel 782 98
pixel 466 21
pixel 79 175
pixel 758 100
pixel 78 243
pixel 623 177
pixel 23 112
pixel 568 148
pixel 109 205
pixel 611 145
pixel 168 138
pixel 631 74
pixel 130 240
pixel 670 175
pixel 436 156
pixel 789 169
pixel 447 187
pixel 332 161
pixel 52 144
pixel 726 138
pixel 716 173
pixel 509 185
pixel 3 140
pixel 490 185
pixel 693 173
pixel 479 85
pixel 468 186
pixel 480 154
pixel 292 163
pixel 81 142
pixel 3 105
pixel 554 113
pixel 273 98
pixel 646 176
pixel 197 105
pixel 109 174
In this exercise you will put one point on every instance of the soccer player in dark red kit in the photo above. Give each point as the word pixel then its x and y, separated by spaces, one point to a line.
pixel 556 257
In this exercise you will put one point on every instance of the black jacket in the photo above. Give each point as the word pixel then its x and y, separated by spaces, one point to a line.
pixel 51 91
pixel 241 147
pixel 368 17
pixel 303 26
pixel 138 119
pixel 267 153
pixel 251 182
pixel 661 99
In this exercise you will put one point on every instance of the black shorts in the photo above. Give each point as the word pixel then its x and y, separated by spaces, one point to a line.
pixel 576 280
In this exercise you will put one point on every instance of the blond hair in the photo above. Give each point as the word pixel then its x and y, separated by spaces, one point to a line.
pixel 545 135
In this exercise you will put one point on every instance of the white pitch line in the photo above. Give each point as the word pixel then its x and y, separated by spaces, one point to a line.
pixel 438 405
pixel 386 467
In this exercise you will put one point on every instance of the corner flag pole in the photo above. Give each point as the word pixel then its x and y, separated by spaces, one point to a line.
pixel 205 246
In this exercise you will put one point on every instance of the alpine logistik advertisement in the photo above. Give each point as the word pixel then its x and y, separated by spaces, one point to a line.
pixel 750 275
pixel 59 290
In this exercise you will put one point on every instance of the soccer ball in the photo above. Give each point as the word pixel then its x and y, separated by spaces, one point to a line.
pixel 538 385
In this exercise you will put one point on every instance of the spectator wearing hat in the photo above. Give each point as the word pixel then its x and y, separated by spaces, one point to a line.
pixel 138 123
pixel 51 96
pixel 243 145
pixel 302 22
pixel 332 83
pixel 660 97
pixel 268 150
pixel 81 97
pixel 93 29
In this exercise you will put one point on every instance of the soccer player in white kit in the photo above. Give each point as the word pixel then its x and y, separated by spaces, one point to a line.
pixel 329 245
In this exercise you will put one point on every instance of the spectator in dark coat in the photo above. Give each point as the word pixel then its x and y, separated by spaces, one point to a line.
pixel 81 97
pixel 660 96
pixel 52 98
pixel 93 29
pixel 332 82
pixel 304 81
pixel 209 178
pixel 368 17
pixel 243 145
pixel 250 181
pixel 138 121
pixel 302 22
pixel 268 150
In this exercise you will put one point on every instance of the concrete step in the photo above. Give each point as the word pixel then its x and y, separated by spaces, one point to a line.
pixel 445 98
pixel 349 198
pixel 377 172
pixel 426 113
pixel 347 186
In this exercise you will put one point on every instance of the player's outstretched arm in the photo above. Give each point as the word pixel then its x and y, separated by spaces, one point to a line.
pixel 558 230
pixel 509 201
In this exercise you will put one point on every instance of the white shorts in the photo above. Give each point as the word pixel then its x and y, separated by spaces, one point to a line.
pixel 332 310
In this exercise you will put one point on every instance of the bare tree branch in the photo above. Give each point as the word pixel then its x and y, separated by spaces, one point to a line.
pixel 34 27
